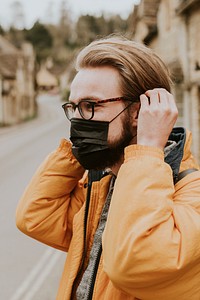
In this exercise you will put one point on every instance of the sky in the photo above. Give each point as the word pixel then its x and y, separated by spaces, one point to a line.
pixel 48 10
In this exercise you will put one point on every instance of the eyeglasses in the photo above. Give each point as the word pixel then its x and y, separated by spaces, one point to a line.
pixel 86 108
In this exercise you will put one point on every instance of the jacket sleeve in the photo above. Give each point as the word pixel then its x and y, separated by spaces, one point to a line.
pixel 151 240
pixel 52 198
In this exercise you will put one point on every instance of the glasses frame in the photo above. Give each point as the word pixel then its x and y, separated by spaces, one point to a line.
pixel 93 103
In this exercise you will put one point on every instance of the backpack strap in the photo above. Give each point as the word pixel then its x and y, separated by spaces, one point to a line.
pixel 184 173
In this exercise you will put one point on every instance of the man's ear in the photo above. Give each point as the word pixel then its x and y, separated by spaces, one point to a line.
pixel 135 114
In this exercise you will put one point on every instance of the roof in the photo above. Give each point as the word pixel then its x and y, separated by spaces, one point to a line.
pixel 8 65
pixel 151 9
pixel 146 11
pixel 187 5
pixel 7 48
pixel 8 58
pixel 45 78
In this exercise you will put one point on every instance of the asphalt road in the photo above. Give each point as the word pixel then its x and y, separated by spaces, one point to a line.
pixel 29 270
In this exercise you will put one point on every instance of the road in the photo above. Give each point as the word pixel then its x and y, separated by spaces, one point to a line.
pixel 29 270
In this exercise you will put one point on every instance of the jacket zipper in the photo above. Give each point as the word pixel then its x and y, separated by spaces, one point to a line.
pixel 94 274
pixel 84 239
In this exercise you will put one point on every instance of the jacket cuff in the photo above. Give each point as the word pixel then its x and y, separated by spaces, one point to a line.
pixel 133 151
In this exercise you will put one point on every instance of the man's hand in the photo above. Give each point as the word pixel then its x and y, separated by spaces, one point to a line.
pixel 157 116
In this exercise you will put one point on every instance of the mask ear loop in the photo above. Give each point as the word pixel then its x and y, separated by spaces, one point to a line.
pixel 121 111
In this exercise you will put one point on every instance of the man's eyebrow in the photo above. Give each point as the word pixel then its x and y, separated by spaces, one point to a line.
pixel 84 98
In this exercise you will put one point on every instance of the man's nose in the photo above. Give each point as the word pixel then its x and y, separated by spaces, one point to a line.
pixel 76 113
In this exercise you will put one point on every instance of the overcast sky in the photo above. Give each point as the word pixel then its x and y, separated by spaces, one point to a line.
pixel 42 10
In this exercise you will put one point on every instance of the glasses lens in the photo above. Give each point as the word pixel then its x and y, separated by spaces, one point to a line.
pixel 69 110
pixel 86 109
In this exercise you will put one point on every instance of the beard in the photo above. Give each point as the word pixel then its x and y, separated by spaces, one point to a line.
pixel 115 153
pixel 90 144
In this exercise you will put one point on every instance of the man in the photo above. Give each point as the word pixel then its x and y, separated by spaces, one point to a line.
pixel 132 230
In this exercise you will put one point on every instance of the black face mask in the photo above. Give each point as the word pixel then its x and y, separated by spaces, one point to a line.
pixel 90 142
pixel 89 139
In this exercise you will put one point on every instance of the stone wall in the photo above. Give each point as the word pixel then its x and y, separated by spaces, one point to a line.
pixel 17 80
pixel 176 39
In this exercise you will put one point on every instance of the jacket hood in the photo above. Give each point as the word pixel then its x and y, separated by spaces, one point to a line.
pixel 175 157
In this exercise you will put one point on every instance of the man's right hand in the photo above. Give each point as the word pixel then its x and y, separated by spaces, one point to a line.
pixel 156 119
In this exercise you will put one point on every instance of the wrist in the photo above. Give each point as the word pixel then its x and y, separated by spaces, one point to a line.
pixel 150 143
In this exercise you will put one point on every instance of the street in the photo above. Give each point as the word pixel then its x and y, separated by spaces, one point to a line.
pixel 29 269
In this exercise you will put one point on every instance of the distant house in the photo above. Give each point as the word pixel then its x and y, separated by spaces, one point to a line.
pixel 17 83
pixel 55 78
pixel 46 81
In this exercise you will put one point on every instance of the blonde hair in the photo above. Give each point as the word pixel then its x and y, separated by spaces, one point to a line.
pixel 139 67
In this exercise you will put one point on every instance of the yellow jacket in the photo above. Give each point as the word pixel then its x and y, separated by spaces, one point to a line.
pixel 151 243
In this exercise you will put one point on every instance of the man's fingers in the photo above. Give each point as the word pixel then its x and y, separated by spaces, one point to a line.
pixel 162 97
pixel 144 101
pixel 154 97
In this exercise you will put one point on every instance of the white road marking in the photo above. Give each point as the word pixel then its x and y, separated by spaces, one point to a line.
pixel 39 273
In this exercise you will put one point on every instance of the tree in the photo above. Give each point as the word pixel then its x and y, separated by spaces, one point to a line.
pixel 41 40
pixel 15 36
pixel 2 32
pixel 88 27
pixel 64 26
pixel 117 25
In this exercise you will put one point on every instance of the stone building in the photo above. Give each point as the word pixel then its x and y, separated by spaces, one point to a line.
pixel 56 77
pixel 172 29
pixel 46 81
pixel 17 83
